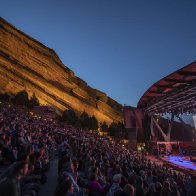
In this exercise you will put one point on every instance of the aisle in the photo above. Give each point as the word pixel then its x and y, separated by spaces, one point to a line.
pixel 48 188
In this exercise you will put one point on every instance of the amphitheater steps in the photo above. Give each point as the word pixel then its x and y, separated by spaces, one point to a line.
pixel 49 187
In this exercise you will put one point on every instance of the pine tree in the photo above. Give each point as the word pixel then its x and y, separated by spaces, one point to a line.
pixel 104 127
pixel 33 101
pixel 21 98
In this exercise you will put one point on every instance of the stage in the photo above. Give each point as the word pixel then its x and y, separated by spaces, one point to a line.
pixel 180 161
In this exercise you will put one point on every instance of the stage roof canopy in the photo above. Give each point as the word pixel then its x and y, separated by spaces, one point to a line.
pixel 176 93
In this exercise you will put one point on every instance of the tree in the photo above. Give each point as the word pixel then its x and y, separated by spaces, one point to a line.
pixel 93 123
pixel 4 97
pixel 33 101
pixel 117 130
pixel 121 132
pixel 112 129
pixel 21 98
pixel 70 117
pixel 84 120
pixel 104 127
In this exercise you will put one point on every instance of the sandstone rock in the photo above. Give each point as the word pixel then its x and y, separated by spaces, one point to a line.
pixel 26 64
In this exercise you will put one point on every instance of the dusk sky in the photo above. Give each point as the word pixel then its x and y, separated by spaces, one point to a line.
pixel 120 47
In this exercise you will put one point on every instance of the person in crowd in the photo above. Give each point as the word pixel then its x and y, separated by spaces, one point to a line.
pixel 192 190
pixel 128 190
pixel 69 172
pixel 139 187
pixel 65 188
pixel 116 185
pixel 11 185
pixel 75 169
pixel 93 163
pixel 165 191
pixel 95 188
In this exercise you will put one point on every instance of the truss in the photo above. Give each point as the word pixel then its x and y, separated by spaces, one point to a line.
pixel 174 94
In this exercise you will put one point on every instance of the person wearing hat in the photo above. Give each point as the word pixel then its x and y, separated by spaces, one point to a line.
pixel 192 190
pixel 116 185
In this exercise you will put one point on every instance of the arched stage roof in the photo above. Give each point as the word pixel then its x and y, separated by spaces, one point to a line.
pixel 175 93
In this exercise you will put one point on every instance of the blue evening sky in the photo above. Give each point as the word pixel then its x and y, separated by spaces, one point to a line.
pixel 120 47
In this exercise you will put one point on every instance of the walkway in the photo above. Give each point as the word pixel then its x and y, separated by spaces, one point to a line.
pixel 49 187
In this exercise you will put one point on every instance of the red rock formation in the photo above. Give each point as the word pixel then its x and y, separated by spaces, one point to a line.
pixel 26 64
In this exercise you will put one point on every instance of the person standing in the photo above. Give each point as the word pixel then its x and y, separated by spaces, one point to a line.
pixel 10 185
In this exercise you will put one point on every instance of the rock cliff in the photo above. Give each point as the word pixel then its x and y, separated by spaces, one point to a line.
pixel 26 64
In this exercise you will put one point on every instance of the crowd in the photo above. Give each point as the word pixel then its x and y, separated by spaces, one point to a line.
pixel 26 143
pixel 88 163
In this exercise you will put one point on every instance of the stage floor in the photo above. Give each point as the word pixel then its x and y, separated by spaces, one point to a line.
pixel 181 161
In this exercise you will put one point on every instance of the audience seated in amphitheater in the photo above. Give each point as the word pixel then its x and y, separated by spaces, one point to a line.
pixel 88 164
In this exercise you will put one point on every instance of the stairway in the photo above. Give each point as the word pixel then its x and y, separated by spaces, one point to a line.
pixel 49 187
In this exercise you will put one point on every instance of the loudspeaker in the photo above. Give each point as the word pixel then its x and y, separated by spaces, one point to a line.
pixel 132 138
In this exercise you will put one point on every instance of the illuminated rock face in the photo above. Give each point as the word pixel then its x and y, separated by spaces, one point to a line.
pixel 26 64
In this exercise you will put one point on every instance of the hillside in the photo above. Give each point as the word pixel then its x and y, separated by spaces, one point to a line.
pixel 26 64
